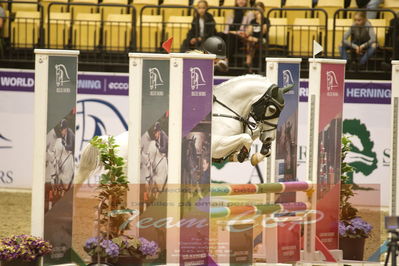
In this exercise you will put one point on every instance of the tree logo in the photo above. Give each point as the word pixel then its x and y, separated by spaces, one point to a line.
pixel 361 156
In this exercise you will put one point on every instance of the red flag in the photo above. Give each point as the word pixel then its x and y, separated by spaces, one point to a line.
pixel 167 44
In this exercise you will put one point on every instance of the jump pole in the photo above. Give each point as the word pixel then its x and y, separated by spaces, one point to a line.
pixel 55 100
pixel 149 91
pixel 190 117
pixel 326 95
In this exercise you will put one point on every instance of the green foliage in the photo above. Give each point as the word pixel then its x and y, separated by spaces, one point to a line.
pixel 347 211
pixel 113 187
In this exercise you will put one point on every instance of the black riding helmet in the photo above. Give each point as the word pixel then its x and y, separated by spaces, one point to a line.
pixel 215 45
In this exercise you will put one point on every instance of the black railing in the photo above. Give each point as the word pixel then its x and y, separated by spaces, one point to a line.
pixel 383 49
pixel 237 47
pixel 12 19
pixel 112 38
pixel 157 30
pixel 316 32
pixel 100 41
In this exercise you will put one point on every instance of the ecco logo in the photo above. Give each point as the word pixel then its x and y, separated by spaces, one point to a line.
pixel 118 86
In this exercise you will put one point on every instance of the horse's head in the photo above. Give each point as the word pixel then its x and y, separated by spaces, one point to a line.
pixel 267 110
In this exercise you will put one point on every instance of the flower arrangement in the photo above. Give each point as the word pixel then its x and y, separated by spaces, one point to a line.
pixel 355 228
pixel 139 248
pixel 350 224
pixel 23 247
pixel 110 242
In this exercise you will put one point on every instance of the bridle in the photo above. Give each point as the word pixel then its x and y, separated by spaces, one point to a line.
pixel 257 112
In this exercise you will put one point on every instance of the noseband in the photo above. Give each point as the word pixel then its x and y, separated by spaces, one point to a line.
pixel 258 110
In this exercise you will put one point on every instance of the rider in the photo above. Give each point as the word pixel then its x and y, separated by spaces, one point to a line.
pixel 216 45
pixel 67 135
pixel 161 138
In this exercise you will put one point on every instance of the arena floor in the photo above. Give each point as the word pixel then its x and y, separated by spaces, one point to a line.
pixel 15 210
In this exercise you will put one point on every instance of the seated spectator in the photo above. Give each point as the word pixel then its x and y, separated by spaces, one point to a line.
pixel 2 20
pixel 365 4
pixel 391 40
pixel 256 33
pixel 362 39
pixel 234 33
pixel 202 27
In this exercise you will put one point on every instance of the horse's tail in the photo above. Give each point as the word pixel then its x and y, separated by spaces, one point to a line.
pixel 88 163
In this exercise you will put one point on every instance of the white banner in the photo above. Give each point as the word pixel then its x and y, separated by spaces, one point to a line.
pixel 367 109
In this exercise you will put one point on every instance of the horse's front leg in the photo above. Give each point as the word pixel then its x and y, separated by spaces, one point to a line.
pixel 265 151
pixel 223 146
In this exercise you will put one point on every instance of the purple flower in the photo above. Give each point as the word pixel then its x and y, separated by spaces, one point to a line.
pixel 148 248
pixel 355 228
pixel 23 247
pixel 91 242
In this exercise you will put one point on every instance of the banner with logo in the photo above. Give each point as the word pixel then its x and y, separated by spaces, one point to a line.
pixel 329 151
pixel 60 156
pixel 154 147
pixel 103 110
pixel 367 123
pixel 286 135
pixel 196 157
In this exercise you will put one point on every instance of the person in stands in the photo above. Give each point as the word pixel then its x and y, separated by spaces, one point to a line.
pixel 234 33
pixel 360 39
pixel 202 27
pixel 256 33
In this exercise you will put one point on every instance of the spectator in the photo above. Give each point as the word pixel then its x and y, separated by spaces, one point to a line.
pixel 202 27
pixel 362 39
pixel 392 38
pixel 256 33
pixel 234 32
pixel 365 4
pixel 2 19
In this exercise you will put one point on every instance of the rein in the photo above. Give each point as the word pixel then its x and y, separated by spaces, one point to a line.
pixel 251 125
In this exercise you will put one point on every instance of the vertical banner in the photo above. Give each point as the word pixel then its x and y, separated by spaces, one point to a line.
pixel 332 78
pixel 148 142
pixel 189 167
pixel 287 129
pixel 281 165
pixel 54 150
pixel 196 157
pixel 326 98
pixel 394 204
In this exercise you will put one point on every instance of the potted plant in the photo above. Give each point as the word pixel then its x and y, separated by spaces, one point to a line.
pixel 111 245
pixel 21 250
pixel 353 230
pixel 122 250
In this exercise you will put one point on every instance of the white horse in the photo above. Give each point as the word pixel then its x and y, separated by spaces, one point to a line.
pixel 154 169
pixel 244 108
pixel 60 170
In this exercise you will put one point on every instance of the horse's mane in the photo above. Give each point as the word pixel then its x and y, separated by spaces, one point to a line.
pixel 229 82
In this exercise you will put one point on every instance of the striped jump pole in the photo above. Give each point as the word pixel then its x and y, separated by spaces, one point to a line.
pixel 245 189
pixel 263 209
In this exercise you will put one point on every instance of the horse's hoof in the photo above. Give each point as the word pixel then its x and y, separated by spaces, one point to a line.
pixel 257 158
